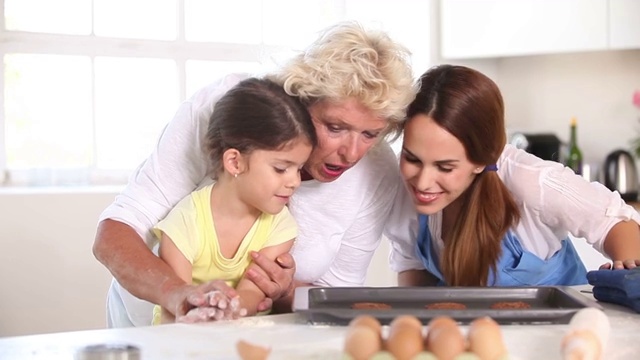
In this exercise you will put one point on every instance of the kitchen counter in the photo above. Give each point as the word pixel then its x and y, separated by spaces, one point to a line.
pixel 290 337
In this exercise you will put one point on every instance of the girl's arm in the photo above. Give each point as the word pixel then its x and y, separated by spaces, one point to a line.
pixel 622 244
pixel 250 294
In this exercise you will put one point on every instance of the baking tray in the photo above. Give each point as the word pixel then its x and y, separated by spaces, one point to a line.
pixel 549 304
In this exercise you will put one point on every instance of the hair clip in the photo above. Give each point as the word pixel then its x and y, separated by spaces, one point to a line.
pixel 492 167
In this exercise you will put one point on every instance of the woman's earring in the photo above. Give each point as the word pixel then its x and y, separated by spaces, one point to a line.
pixel 235 175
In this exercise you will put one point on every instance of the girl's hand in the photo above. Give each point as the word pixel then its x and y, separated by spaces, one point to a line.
pixel 217 306
pixel 621 264
pixel 184 298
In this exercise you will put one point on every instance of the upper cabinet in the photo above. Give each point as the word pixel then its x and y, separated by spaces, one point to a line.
pixel 495 28
pixel 624 24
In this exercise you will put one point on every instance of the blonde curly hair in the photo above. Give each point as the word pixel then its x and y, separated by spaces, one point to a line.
pixel 349 61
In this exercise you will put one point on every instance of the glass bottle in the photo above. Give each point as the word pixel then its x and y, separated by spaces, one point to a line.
pixel 574 158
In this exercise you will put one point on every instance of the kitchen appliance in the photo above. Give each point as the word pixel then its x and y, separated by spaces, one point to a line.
pixel 621 174
pixel 544 146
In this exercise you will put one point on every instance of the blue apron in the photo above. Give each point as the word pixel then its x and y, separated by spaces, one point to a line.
pixel 516 266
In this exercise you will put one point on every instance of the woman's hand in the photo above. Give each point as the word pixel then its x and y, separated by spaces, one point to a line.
pixel 621 264
pixel 217 306
pixel 217 294
pixel 276 278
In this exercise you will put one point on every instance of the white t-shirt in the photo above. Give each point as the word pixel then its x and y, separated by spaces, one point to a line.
pixel 340 223
pixel 553 202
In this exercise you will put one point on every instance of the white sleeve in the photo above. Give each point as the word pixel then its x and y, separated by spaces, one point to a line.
pixel 402 232
pixel 359 243
pixel 174 169
pixel 565 202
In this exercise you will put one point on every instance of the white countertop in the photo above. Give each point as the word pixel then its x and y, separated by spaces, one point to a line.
pixel 290 337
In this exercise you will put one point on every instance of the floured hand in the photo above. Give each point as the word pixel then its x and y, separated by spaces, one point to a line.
pixel 217 306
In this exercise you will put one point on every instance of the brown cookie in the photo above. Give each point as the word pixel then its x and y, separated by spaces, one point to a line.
pixel 510 305
pixel 370 306
pixel 446 306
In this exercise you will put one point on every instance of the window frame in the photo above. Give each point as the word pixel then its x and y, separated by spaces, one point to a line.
pixel 179 50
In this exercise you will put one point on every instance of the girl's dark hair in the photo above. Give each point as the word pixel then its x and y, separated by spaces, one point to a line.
pixel 469 105
pixel 256 114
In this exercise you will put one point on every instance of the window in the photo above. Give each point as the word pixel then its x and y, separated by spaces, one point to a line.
pixel 87 92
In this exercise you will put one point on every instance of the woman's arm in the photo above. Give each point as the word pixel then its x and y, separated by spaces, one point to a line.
pixel 250 294
pixel 183 269
pixel 416 278
pixel 136 268
pixel 622 244
pixel 559 201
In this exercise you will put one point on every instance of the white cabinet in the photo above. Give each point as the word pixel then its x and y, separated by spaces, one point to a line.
pixel 624 24
pixel 495 28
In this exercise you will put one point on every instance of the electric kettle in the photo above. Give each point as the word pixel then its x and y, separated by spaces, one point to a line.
pixel 621 175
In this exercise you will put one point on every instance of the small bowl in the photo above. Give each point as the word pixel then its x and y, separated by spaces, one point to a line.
pixel 108 352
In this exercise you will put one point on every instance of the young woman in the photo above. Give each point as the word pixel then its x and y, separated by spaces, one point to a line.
pixel 258 139
pixel 356 84
pixel 492 215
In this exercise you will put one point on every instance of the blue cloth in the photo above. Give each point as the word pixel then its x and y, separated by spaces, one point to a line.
pixel 516 266
pixel 620 287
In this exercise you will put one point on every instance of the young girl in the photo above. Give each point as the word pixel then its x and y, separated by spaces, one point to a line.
pixel 493 215
pixel 258 139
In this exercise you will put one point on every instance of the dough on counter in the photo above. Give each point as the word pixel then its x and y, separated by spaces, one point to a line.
pixel 370 306
pixel 510 305
pixel 446 306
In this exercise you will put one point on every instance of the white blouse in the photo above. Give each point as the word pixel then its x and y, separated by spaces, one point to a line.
pixel 553 203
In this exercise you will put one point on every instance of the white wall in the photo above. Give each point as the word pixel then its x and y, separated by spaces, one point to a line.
pixel 542 93
pixel 49 279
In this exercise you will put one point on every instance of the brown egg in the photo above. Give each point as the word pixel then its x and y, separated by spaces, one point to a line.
pixel 406 320
pixel 248 351
pixel 404 340
pixel 485 339
pixel 361 342
pixel 442 321
pixel 444 338
pixel 368 321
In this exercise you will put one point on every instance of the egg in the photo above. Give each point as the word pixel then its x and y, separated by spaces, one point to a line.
pixel 439 321
pixel 248 351
pixel 362 342
pixel 409 320
pixel 444 338
pixel 485 339
pixel 404 340
pixel 368 321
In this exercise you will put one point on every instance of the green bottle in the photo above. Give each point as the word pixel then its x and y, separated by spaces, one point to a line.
pixel 574 158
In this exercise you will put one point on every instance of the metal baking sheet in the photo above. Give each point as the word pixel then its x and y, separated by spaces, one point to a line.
pixel 549 305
